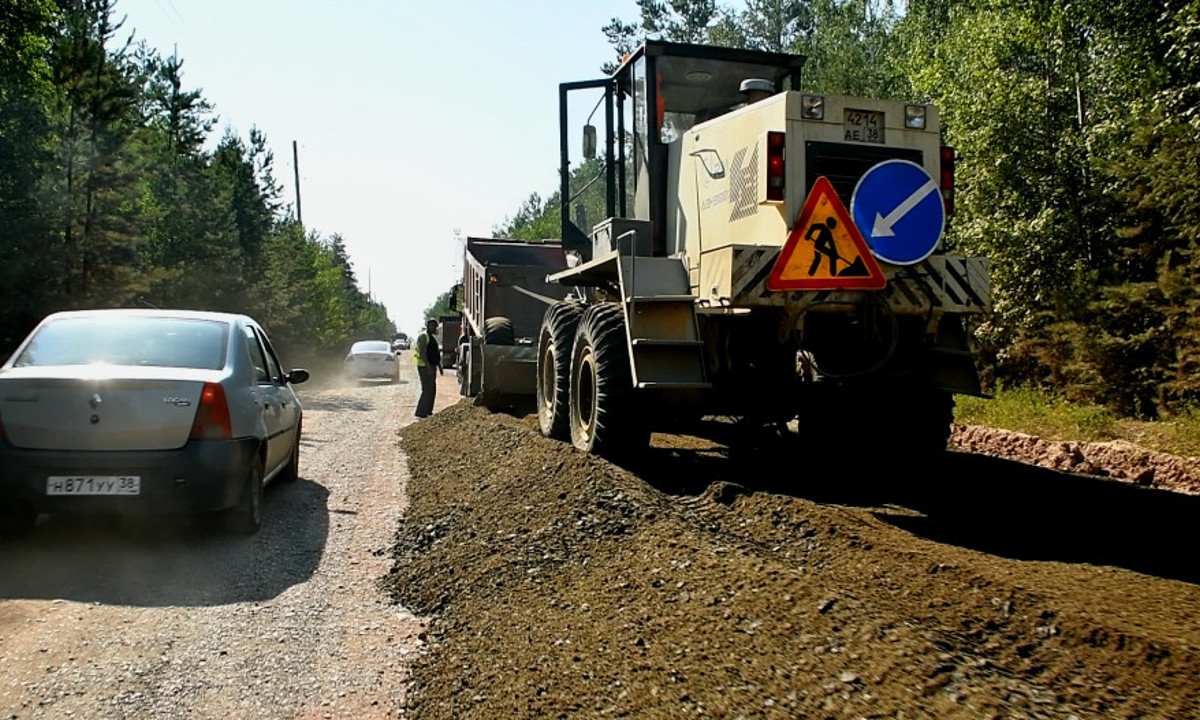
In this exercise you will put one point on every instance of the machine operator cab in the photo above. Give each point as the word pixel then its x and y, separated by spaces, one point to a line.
pixel 692 84
pixel 707 147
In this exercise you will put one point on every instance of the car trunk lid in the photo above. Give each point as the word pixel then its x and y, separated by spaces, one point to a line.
pixel 119 409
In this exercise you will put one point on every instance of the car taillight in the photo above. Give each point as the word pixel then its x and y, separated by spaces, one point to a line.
pixel 947 179
pixel 212 416
pixel 775 166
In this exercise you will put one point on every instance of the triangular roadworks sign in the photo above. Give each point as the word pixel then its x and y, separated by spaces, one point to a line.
pixel 825 250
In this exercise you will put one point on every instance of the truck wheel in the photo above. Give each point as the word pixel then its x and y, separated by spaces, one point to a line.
pixel 555 341
pixel 499 331
pixel 604 414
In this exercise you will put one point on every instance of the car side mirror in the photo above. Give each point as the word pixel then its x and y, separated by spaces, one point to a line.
pixel 589 141
pixel 297 376
pixel 453 302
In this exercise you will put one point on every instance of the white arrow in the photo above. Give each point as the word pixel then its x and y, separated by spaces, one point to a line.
pixel 883 225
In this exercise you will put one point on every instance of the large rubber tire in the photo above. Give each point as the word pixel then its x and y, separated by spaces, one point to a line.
pixel 555 342
pixel 291 473
pixel 605 419
pixel 499 331
pixel 246 518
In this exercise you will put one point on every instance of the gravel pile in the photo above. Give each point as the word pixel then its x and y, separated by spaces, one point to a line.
pixel 702 583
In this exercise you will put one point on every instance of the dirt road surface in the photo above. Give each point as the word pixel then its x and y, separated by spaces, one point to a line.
pixel 178 619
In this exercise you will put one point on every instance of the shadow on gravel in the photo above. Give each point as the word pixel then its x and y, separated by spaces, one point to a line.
pixel 184 561
pixel 1030 513
pixel 335 403
pixel 983 503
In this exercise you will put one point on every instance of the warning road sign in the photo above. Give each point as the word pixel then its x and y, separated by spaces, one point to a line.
pixel 825 250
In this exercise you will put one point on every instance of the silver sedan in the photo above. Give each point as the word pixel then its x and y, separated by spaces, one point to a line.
pixel 145 411
pixel 372 359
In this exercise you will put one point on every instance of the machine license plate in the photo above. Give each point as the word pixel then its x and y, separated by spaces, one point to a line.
pixel 863 126
pixel 93 485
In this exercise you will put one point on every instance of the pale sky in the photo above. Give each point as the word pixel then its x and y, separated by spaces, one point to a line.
pixel 414 119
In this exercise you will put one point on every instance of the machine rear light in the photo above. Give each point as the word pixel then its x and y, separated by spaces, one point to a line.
pixel 947 179
pixel 776 164
pixel 212 416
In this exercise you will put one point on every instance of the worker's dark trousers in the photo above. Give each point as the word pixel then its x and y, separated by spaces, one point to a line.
pixel 428 375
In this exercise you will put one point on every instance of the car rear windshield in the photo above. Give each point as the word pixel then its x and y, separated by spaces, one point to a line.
pixel 371 346
pixel 140 341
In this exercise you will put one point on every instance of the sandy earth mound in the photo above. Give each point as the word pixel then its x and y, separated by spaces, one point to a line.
pixel 1119 460
pixel 700 582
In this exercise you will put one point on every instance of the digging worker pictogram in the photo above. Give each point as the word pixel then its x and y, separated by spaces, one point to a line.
pixel 824 245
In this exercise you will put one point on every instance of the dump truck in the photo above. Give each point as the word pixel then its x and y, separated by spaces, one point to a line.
pixel 504 299
pixel 763 254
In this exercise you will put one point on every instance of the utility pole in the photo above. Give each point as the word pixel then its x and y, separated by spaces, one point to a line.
pixel 296 170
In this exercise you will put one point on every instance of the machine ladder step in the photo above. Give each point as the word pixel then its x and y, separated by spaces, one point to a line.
pixel 664 340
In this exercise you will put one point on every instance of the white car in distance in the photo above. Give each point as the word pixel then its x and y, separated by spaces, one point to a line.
pixel 372 359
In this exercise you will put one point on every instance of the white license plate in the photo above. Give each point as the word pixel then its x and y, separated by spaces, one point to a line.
pixel 93 485
pixel 863 126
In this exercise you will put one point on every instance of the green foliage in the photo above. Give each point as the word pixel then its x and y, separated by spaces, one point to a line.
pixel 1038 412
pixel 534 220
pixel 26 94
pixel 852 49
pixel 108 197
pixel 1008 104
pixel 444 305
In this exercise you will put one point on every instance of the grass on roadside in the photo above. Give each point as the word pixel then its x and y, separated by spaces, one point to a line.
pixel 1054 418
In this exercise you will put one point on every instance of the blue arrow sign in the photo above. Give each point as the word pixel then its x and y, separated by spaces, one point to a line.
pixel 897 207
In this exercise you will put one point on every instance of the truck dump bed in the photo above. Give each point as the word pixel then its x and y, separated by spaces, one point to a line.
pixel 494 269
pixel 505 296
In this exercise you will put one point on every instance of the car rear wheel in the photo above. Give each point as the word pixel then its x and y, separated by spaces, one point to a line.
pixel 291 473
pixel 246 518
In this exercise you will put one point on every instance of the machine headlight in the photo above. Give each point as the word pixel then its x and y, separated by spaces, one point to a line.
pixel 812 107
pixel 914 117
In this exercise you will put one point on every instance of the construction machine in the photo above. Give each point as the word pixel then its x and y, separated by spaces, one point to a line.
pixel 766 255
